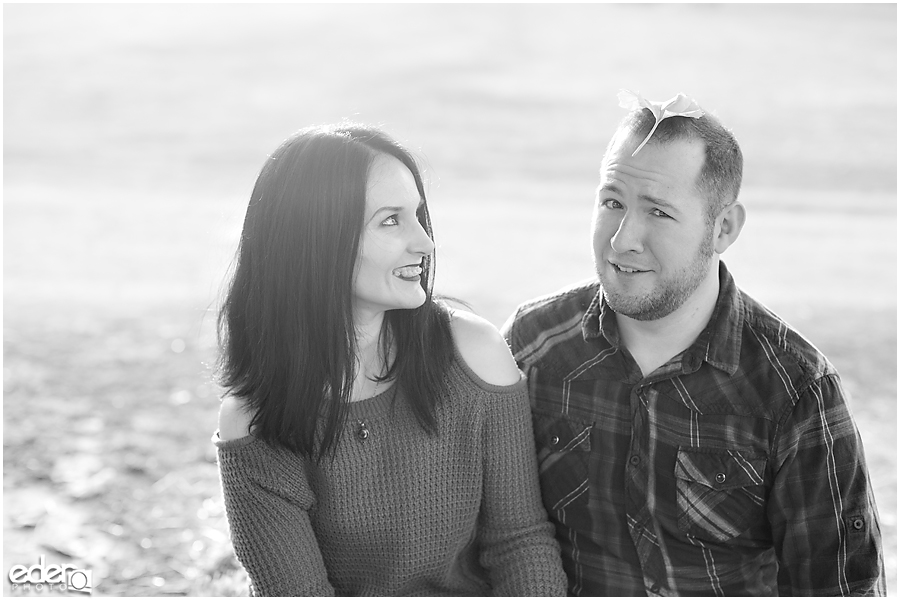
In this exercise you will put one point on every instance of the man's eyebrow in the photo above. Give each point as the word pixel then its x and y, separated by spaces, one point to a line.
pixel 657 201
pixel 611 187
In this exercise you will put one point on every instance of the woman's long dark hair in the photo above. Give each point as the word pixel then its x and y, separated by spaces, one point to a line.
pixel 286 333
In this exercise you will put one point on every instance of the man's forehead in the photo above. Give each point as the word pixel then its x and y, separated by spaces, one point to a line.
pixel 687 150
pixel 656 167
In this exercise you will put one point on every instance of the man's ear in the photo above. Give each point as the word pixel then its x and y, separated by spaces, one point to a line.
pixel 728 226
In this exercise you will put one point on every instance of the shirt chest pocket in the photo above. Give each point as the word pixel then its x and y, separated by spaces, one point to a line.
pixel 563 447
pixel 720 493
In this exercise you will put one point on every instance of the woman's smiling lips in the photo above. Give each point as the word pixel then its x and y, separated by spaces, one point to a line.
pixel 409 272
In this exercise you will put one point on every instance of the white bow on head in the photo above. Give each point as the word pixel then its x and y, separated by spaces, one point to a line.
pixel 679 106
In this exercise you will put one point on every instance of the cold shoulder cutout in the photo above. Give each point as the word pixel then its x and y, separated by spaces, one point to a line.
pixel 483 349
pixel 234 419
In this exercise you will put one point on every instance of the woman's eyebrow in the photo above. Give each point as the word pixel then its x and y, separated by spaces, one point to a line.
pixel 389 208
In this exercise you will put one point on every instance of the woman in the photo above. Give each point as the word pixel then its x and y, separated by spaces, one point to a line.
pixel 372 441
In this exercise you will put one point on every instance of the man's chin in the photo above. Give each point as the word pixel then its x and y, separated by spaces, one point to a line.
pixel 637 308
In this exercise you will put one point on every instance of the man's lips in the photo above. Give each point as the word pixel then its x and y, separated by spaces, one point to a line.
pixel 623 268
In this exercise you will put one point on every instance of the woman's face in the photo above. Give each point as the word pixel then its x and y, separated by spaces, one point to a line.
pixel 388 269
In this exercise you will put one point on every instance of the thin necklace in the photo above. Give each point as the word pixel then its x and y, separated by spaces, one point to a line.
pixel 362 428
pixel 377 380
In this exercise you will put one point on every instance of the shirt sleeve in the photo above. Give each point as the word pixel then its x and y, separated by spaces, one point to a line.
pixel 822 509
pixel 507 329
pixel 518 545
pixel 267 503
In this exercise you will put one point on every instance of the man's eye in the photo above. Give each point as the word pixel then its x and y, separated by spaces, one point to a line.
pixel 658 213
pixel 611 203
pixel 391 220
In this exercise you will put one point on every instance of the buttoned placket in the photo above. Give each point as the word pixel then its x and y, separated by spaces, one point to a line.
pixel 639 468
pixel 640 481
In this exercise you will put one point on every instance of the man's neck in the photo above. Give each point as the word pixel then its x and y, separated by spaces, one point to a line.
pixel 654 343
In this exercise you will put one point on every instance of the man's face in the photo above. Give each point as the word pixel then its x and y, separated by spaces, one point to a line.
pixel 652 243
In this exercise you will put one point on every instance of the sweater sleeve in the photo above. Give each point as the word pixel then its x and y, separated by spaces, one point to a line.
pixel 518 545
pixel 267 503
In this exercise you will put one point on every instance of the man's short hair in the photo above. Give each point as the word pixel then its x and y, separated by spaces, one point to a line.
pixel 720 178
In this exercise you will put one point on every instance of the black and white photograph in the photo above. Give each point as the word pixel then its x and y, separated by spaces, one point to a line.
pixel 439 299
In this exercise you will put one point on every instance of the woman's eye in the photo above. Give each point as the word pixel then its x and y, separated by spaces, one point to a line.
pixel 391 220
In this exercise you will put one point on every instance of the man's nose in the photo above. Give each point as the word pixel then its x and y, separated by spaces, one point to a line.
pixel 629 236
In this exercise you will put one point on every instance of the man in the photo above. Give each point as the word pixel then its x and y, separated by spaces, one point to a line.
pixel 690 442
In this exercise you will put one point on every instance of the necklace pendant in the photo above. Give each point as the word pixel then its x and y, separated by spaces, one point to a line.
pixel 362 430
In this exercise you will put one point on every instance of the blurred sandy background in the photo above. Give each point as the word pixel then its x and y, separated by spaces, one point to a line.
pixel 133 135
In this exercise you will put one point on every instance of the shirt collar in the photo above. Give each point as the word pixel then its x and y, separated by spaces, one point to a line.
pixel 596 321
pixel 719 343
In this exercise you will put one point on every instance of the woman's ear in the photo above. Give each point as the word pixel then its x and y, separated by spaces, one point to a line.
pixel 728 226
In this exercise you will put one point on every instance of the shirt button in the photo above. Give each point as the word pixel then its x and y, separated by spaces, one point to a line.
pixel 635 460
pixel 554 440
pixel 858 524
pixel 654 588
pixel 720 477
pixel 362 432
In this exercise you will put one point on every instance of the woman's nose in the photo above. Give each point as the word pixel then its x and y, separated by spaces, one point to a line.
pixel 421 242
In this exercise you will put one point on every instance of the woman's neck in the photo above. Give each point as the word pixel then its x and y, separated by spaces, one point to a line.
pixel 371 363
pixel 368 335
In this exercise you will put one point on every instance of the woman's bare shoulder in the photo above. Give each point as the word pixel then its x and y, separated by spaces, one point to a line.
pixel 234 419
pixel 483 348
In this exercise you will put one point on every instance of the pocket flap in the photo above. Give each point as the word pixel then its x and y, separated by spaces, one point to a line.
pixel 561 434
pixel 720 469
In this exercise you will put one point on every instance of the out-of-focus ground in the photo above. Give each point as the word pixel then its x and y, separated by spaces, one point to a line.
pixel 133 134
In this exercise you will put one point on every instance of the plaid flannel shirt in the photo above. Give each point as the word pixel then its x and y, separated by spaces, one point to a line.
pixel 734 469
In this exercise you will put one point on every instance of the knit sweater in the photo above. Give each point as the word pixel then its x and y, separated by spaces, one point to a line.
pixel 398 511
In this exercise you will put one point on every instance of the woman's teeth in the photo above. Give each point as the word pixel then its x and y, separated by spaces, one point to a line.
pixel 408 272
